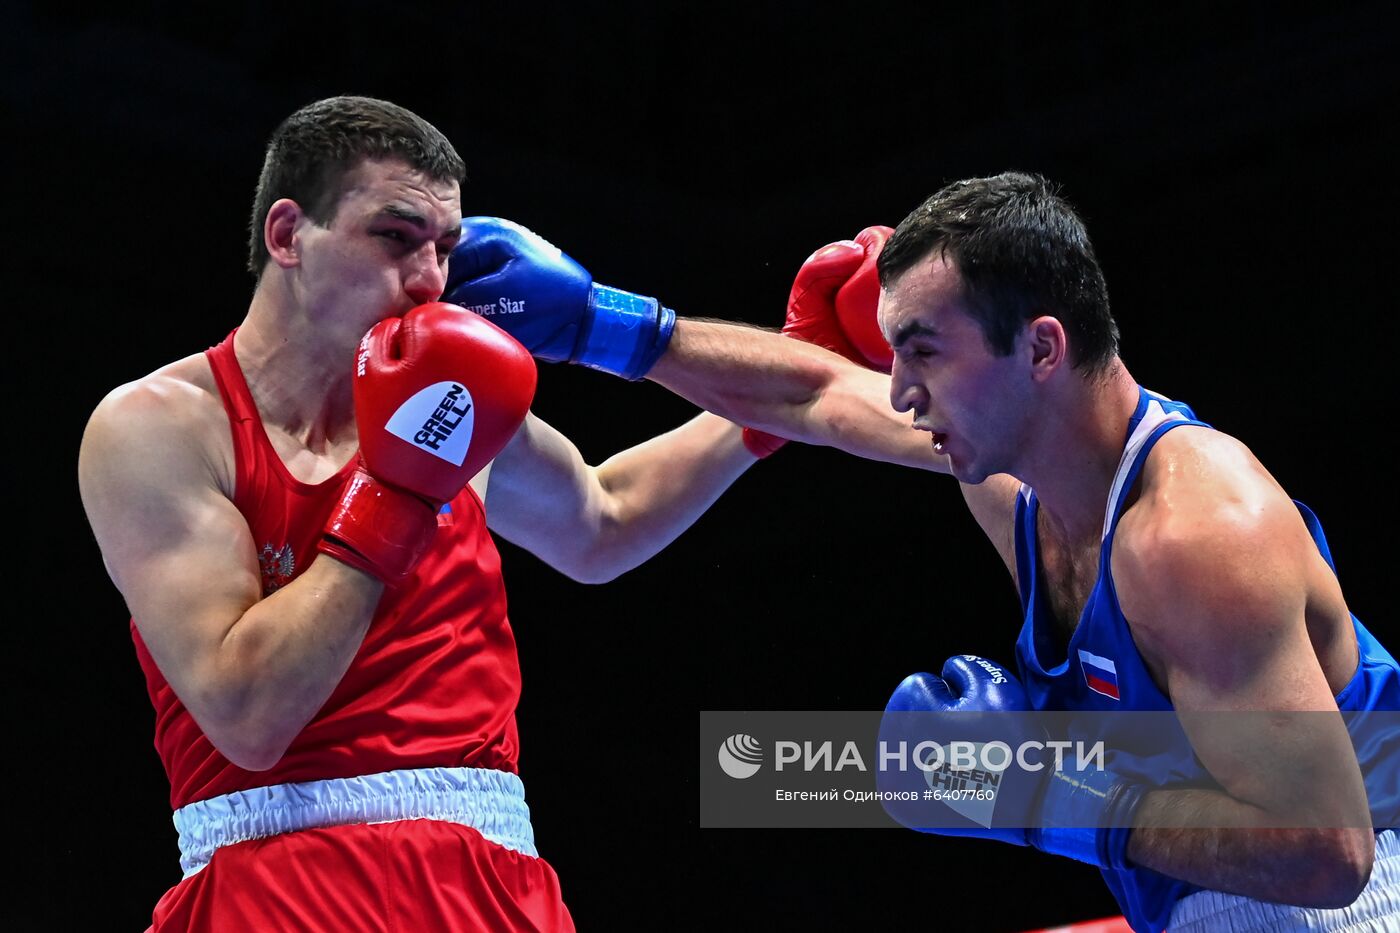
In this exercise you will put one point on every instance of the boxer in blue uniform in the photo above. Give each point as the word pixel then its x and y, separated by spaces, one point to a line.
pixel 1161 567
pixel 1101 669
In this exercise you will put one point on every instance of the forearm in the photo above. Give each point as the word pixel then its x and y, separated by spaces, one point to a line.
pixel 278 664
pixel 1244 851
pixel 593 523
pixel 658 489
pixel 793 389
pixel 752 376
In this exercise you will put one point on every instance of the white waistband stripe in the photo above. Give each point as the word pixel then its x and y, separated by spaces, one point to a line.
pixel 491 802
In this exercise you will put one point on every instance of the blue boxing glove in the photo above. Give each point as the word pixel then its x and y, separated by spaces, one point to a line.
pixel 529 288
pixel 982 771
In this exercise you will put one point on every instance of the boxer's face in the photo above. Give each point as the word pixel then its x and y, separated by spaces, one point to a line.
pixel 385 249
pixel 974 402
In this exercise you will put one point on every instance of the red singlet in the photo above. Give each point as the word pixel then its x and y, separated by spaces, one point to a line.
pixel 434 684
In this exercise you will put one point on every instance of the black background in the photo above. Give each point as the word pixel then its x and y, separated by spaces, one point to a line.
pixel 1230 166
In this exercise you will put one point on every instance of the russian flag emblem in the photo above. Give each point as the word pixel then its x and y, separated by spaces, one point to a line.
pixel 1100 674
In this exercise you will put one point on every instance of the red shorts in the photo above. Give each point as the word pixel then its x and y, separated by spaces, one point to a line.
pixel 405 875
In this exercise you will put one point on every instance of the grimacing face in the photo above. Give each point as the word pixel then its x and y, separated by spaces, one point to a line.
pixel 385 250
pixel 972 401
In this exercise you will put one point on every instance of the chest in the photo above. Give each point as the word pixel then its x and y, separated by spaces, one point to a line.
pixel 1068 572
pixel 305 464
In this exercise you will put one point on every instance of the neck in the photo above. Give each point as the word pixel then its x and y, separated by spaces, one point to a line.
pixel 297 368
pixel 1076 448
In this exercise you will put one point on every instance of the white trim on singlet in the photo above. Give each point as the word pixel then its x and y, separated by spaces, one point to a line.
pixel 491 802
pixel 1153 418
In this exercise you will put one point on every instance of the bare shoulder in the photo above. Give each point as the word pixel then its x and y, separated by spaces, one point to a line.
pixel 151 447
pixel 174 389
pixel 1212 556
pixel 1200 484
pixel 176 408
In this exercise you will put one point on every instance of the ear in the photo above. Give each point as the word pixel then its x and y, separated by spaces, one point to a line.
pixel 1048 345
pixel 279 232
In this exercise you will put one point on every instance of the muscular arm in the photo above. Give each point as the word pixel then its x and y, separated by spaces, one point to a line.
pixel 594 523
pixel 808 393
pixel 251 671
pixel 792 389
pixel 1215 586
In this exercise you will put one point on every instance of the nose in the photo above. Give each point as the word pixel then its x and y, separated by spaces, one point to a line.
pixel 425 276
pixel 906 394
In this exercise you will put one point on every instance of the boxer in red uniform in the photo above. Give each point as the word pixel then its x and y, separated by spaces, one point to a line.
pixel 298 521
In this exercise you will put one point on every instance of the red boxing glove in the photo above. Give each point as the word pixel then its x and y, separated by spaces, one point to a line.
pixel 438 393
pixel 859 299
pixel 760 443
pixel 832 304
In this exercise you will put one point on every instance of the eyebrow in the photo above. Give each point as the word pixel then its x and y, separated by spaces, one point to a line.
pixel 408 216
pixel 912 329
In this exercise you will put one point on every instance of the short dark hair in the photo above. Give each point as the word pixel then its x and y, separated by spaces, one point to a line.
pixel 1021 251
pixel 310 153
